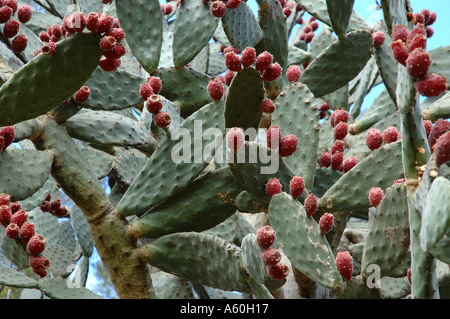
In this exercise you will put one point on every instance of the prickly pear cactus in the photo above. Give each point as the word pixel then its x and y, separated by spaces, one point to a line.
pixel 195 146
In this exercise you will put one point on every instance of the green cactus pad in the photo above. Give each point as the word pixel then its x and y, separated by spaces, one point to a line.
pixel 162 176
pixel 57 288
pixel 193 28
pixel 142 22
pixel 259 290
pixel 440 109
pixel 380 169
pixel 340 12
pixel 185 87
pixel 297 113
pixel 388 239
pixel 23 172
pixel 251 255
pixel 49 187
pixel 246 202
pixel 81 227
pixel 297 56
pixel 127 166
pixel 47 225
pixel 46 81
pixel 185 212
pixel 61 260
pixel 66 236
pixel 99 161
pixel 324 178
pixel 241 27
pixel 202 258
pixel 356 47
pixel 301 241
pixel 440 64
pixel 406 93
pixel 243 103
pixel 14 250
pixel 320 42
pixel 11 277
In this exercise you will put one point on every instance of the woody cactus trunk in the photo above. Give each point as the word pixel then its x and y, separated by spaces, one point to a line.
pixel 209 151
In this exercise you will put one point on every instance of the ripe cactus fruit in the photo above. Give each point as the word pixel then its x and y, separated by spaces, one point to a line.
pixel 288 145
pixel 8 133
pixel 49 48
pixel 92 21
pixel 5 199
pixel 431 85
pixel 162 119
pixel 268 106
pixel 24 13
pixel 272 72
pixel 108 65
pixel 337 160
pixel 11 28
pixel 215 89
pixel 399 32
pixel 278 271
pixel 235 138
pixel 12 231
pixel 390 135
pixel 19 218
pixel 27 231
pixel 378 39
pixel 265 237
pixel 61 211
pixel 83 94
pixel 15 207
pixel 428 126
pixel 274 137
pixel 218 9
pixel 296 186
pixel 19 43
pixel 5 14
pixel 78 21
pixel 39 265
pixel 5 215
pixel 145 91
pixel 273 186
pixel 440 127
pixel 375 196
pixel 349 163
pixel 418 63
pixel 263 61
pixel 271 256
pixel 293 73
pixel 233 62
pixel 326 223
pixel 154 104
pixel 374 139
pixel 338 146
pixel 107 43
pixel 229 76
pixel 155 83
pixel 325 159
pixel 340 130
pixel 36 245
pixel 418 29
pixel 442 149
pixel 248 56
pixel 400 51
pixel 339 116
pixel 419 41
pixel 105 23
pixel 310 204
pixel 344 264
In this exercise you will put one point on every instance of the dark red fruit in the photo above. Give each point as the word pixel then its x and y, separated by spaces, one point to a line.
pixel 400 51
pixel 108 65
pixel 390 135
pixel 154 103
pixel 440 127
pixel 218 9
pixel 267 106
pixel 288 145
pixel 215 89
pixel 83 94
pixel 26 232
pixel 248 56
pixel 418 63
pixel 273 186
pixel 5 215
pixel 11 28
pixel 344 264
pixel 310 204
pixel 340 130
pixel 265 237
pixel 296 186
pixel 325 159
pixel 349 163
pixel 12 231
pixel 19 218
pixel 431 85
pixel 107 43
pixel 263 61
pixel 278 271
pixel 337 159
pixel 162 119
pixel 271 256
pixel 272 72
pixel 374 139
pixel 274 137
pixel 235 138
pixel 378 39
pixel 293 73
pixel 442 149
pixel 326 223
pixel 233 62
pixel 375 196
pixel 36 245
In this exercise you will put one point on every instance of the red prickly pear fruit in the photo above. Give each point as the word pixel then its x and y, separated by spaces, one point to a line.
pixel 49 48
pixel 263 61
pixel 340 130
pixel 38 262
pixel 278 271
pixel 375 196
pixel 338 146
pixel 12 231
pixel 54 205
pixel 24 13
pixel 19 218
pixel 418 63
pixel 218 9
pixel 374 139
pixel 337 159
pixel 248 56
pixel 44 36
pixel 378 38
pixel 162 119
pixel 408 275
pixel 344 264
pixel 324 106
pixel 5 199
pixel 15 207
pixel 78 21
pixel 116 53
pixel 399 32
pixel 5 215
pixel 398 181
pixel 26 232
pixel 268 106
pixel 400 51
pixel 231 49
pixel 310 204
pixel 105 23
pixel 429 31
pixel 273 186
pixel 235 138
pixel 442 149
pixel 117 33
pixel 45 206
pixel 288 145
pixel 390 135
pixel 325 159
pixel 349 163
pixel 108 65
pixel 215 89
pixel 5 14
pixel 293 73
pixel 12 4
pixel 309 37
pixel 265 237
pixel 92 21
pixel 287 11
pixel 233 62
pixel 326 223
pixel 296 186
pixel 145 90
pixel 339 116
pixel 428 125
pixel 431 85
pixel 274 137
pixel 419 29
pixel 314 25
pixel 11 28
pixel 154 104
pixel 271 256
pixel 419 18
pixel 155 83
pixel 19 43
pixel 36 245
pixel 83 94
pixel 440 127
pixel 431 18
pixel 419 41
pixel 229 76
pixel 8 133
pixel 272 72
pixel 107 43
pixel 61 211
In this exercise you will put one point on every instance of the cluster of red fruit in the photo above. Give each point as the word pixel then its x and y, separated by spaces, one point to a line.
pixel 288 7
pixel 17 226
pixel 409 49
pixel 7 134
pixel 335 156
pixel 219 8
pixel 54 207
pixel 439 141
pixel 149 92
pixel 307 34
pixel 265 237
pixel 8 8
